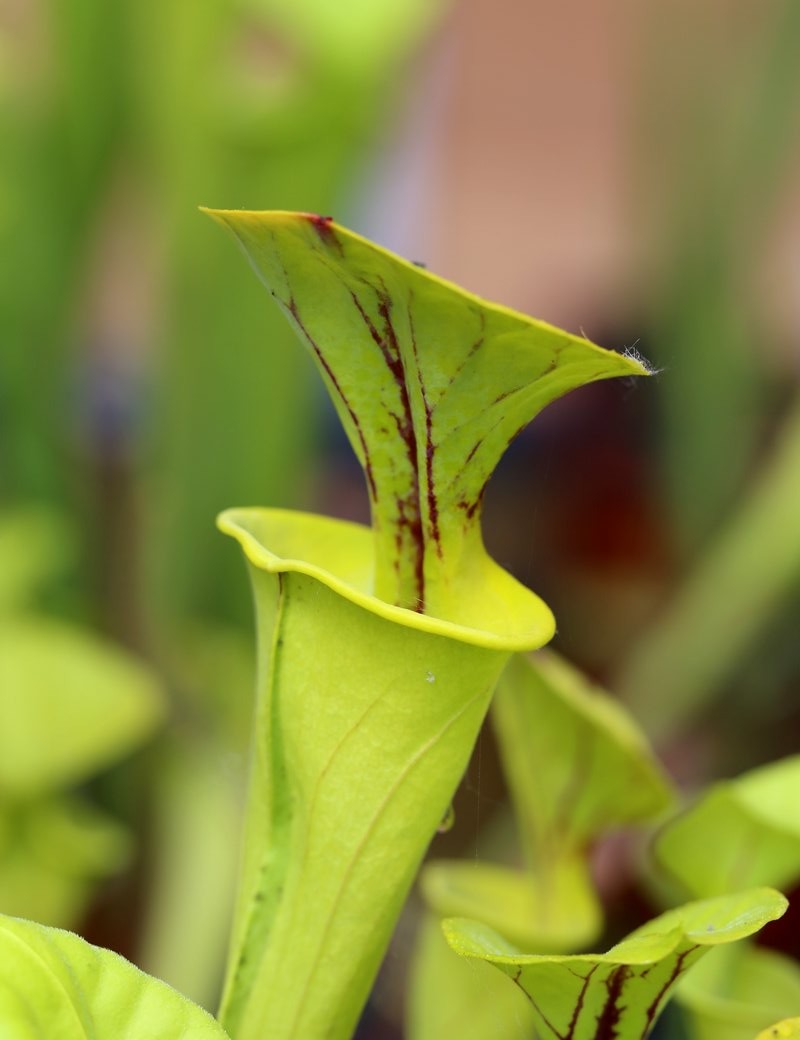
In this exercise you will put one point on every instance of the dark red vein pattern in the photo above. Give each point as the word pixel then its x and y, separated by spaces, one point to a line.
pixel 619 984
pixel 411 491
pixel 292 308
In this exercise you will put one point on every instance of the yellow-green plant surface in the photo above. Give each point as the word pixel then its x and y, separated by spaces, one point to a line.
pixel 618 994
pixel 751 823
pixel 737 991
pixel 576 766
pixel 788 1029
pixel 379 649
pixel 431 384
pixel 452 996
pixel 63 988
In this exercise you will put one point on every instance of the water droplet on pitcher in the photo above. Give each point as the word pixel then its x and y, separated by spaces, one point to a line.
pixel 448 820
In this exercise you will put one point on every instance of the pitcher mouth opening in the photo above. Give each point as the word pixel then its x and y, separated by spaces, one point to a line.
pixel 494 610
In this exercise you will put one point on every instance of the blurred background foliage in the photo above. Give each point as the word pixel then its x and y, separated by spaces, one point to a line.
pixel 629 170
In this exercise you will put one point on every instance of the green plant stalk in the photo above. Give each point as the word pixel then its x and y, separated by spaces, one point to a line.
pixel 732 146
pixel 726 602
pixel 378 648
pixel 221 120
pixel 60 132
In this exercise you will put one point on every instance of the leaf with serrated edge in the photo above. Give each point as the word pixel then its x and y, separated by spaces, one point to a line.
pixel 430 382
pixel 53 984
pixel 618 995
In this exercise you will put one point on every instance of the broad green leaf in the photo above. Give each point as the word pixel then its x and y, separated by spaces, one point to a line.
pixel 738 990
pixel 52 853
pixel 53 984
pixel 431 384
pixel 575 762
pixel 618 994
pixel 71 704
pixel 788 1029
pixel 553 910
pixel 752 825
pixel 450 996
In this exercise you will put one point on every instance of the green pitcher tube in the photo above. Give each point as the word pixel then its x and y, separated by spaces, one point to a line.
pixel 379 647
pixel 366 716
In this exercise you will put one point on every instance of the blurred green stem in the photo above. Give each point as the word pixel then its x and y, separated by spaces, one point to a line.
pixel 735 128
pixel 725 604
